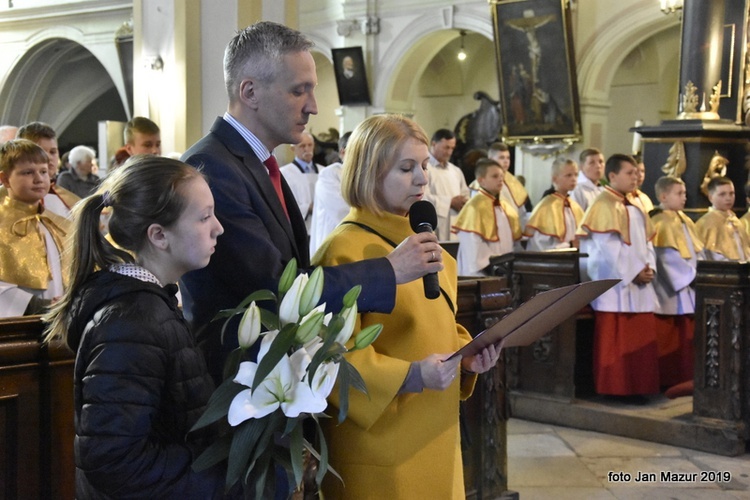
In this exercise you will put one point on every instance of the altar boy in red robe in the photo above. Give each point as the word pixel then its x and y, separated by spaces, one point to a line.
pixel 617 237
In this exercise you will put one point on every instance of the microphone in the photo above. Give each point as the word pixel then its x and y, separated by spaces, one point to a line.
pixel 423 219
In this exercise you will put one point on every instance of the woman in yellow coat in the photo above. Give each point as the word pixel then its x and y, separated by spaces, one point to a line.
pixel 402 441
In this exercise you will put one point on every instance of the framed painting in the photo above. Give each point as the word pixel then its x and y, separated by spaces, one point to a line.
pixel 536 70
pixel 351 78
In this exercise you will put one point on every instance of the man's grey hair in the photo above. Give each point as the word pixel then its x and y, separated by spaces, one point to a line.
pixel 257 51
pixel 80 154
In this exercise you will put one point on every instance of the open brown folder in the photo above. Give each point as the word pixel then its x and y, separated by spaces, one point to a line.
pixel 537 316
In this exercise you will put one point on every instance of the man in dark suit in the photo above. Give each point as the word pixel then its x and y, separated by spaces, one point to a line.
pixel 270 77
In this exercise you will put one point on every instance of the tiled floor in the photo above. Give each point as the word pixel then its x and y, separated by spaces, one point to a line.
pixel 547 461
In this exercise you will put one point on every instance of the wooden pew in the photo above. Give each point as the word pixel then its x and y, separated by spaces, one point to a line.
pixel 721 397
pixel 36 407
pixel 558 364
pixel 36 413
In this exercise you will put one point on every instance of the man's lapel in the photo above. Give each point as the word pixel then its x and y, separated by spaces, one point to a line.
pixel 258 173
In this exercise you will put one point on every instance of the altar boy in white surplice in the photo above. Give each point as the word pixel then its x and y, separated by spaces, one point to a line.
pixel 31 238
pixel 487 225
pixel 617 237
pixel 677 251
pixel 553 223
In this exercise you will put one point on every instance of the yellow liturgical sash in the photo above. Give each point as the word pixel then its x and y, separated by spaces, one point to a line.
pixel 68 198
pixel 745 220
pixel 548 216
pixel 645 201
pixel 517 191
pixel 478 216
pixel 713 229
pixel 608 213
pixel 669 232
pixel 23 251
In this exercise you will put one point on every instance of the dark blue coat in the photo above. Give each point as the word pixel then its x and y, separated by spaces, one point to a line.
pixel 140 385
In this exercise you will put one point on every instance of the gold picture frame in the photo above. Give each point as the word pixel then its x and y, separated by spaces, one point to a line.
pixel 536 70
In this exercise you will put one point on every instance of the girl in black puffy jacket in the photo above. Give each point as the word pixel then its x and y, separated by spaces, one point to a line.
pixel 140 381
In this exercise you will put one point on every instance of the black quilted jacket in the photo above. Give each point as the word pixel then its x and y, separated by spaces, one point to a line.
pixel 140 384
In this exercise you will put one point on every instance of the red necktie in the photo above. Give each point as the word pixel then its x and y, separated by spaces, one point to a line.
pixel 275 174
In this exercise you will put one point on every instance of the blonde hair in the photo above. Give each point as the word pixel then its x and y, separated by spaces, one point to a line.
pixel 372 149
pixel 559 163
pixel 20 150
pixel 664 184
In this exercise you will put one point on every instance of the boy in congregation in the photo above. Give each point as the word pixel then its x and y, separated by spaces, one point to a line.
pixel 553 222
pixel 638 197
pixel 589 178
pixel 617 237
pixel 142 137
pixel 31 238
pixel 59 200
pixel 513 190
pixel 720 229
pixel 487 225
pixel 677 249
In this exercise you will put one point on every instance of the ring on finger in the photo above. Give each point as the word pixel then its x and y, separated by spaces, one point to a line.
pixel 433 256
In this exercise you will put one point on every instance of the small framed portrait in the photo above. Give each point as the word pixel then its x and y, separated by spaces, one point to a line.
pixel 536 69
pixel 351 78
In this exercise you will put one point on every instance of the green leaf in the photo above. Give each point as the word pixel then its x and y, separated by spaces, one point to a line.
pixel 245 439
pixel 257 296
pixel 215 453
pixel 295 450
pixel 351 296
pixel 355 379
pixel 323 458
pixel 320 459
pixel 287 277
pixel 218 405
pixel 269 320
pixel 232 364
pixel 291 423
pixel 275 421
pixel 334 327
pixel 343 391
pixel 320 356
pixel 262 469
pixel 279 347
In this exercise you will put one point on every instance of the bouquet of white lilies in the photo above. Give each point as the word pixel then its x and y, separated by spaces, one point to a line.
pixel 266 401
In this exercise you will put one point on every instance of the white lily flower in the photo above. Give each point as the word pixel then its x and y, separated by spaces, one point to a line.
pixel 249 329
pixel 277 389
pixel 289 308
pixel 306 399
pixel 350 319
pixel 324 380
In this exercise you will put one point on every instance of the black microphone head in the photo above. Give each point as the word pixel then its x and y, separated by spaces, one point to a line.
pixel 422 212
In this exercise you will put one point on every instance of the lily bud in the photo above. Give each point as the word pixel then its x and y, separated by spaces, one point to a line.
pixel 349 316
pixel 351 296
pixel 309 327
pixel 289 308
pixel 249 329
pixel 367 336
pixel 312 292
pixel 287 276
